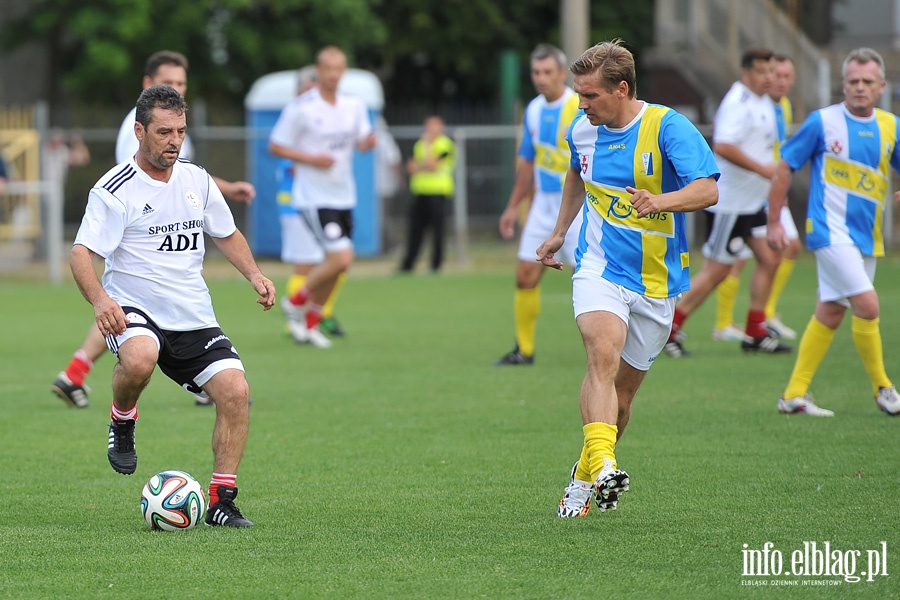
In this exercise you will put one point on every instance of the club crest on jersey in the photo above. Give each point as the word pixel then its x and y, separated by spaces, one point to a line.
pixel 647 159
pixel 836 147
pixel 192 199
pixel 584 164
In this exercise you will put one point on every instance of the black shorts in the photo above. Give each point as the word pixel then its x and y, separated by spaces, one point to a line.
pixel 332 227
pixel 726 234
pixel 189 358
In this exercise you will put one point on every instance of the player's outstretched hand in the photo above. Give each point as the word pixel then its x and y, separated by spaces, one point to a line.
pixel 266 290
pixel 242 191
pixel 547 250
pixel 508 223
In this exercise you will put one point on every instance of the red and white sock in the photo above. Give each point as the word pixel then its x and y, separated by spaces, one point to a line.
pixel 313 315
pixel 226 479
pixel 124 415
pixel 677 323
pixel 300 296
pixel 756 323
pixel 79 367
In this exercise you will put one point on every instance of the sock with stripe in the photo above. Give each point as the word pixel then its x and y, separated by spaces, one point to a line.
pixel 813 346
pixel 526 308
pixel 313 315
pixel 79 367
pixel 123 415
pixel 756 323
pixel 677 322
pixel 867 337
pixel 226 479
pixel 295 283
pixel 328 308
pixel 781 278
pixel 726 298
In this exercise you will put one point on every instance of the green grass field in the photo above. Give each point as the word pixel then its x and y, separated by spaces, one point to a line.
pixel 400 464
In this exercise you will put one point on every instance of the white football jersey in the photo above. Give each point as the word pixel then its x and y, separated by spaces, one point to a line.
pixel 747 121
pixel 311 125
pixel 151 234
pixel 127 143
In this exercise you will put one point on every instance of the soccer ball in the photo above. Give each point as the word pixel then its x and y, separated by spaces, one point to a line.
pixel 172 500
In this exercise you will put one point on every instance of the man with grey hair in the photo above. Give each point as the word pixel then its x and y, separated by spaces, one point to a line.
pixel 634 169
pixel 852 146
pixel 543 162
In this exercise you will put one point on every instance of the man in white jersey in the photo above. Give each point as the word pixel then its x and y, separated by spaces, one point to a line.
pixel 146 217
pixel 162 68
pixel 727 291
pixel 319 131
pixel 543 162
pixel 635 168
pixel 744 137
pixel 852 146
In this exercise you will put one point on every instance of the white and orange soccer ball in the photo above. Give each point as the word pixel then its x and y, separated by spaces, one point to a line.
pixel 173 500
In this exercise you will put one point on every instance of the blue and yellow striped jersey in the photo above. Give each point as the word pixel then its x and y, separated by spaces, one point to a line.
pixel 784 118
pixel 544 139
pixel 851 161
pixel 660 151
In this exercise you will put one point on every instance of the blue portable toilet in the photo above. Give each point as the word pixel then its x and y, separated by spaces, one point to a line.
pixel 263 104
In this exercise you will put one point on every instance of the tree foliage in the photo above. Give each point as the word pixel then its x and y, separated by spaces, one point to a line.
pixel 438 52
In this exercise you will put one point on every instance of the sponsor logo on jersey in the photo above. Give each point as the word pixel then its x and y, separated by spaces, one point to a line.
pixel 147 209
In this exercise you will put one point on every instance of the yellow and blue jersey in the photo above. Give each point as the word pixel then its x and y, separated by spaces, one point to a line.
pixel 784 119
pixel 851 161
pixel 284 182
pixel 659 151
pixel 544 139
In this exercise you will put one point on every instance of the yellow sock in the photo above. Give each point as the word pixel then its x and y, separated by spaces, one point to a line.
pixel 526 308
pixel 328 309
pixel 813 346
pixel 583 470
pixel 294 283
pixel 726 297
pixel 600 443
pixel 781 278
pixel 867 337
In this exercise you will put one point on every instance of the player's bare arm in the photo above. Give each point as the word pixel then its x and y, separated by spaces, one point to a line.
pixel 523 187
pixel 781 182
pixel 572 202
pixel 697 195
pixel 322 161
pixel 237 251
pixel 736 156
pixel 237 191
pixel 108 314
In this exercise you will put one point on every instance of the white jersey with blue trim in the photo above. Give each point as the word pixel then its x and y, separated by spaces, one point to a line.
pixel 851 159
pixel 544 139
pixel 747 121
pixel 151 234
pixel 659 151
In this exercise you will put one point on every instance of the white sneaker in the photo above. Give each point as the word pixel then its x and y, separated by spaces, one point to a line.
pixel 317 338
pixel 298 330
pixel 806 406
pixel 888 400
pixel 729 334
pixel 780 329
pixel 577 500
pixel 293 312
pixel 611 483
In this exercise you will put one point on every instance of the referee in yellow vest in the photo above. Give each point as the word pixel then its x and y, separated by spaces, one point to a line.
pixel 431 183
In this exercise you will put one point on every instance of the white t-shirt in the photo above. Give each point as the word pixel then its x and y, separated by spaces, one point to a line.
pixel 747 121
pixel 151 235
pixel 310 124
pixel 127 142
